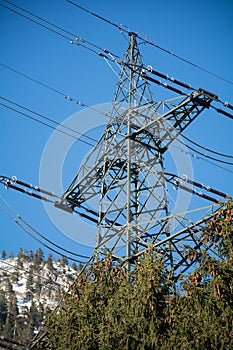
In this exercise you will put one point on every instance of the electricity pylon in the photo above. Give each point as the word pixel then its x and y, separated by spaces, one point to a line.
pixel 122 185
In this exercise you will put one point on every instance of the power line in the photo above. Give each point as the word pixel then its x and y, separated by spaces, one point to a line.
pixel 32 20
pixel 50 119
pixel 175 90
pixel 92 139
pixel 32 79
pixel 150 70
pixel 205 148
pixel 214 164
pixel 205 155
pixel 78 139
pixel 10 183
pixel 111 57
pixel 71 40
pixel 203 159
pixel 179 182
pixel 39 234
pixel 45 124
pixel 77 38
pixel 150 43
pixel 181 92
pixel 14 179
pixel 219 110
pixel 36 238
pixel 66 96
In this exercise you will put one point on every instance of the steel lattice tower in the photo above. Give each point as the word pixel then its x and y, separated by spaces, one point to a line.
pixel 121 186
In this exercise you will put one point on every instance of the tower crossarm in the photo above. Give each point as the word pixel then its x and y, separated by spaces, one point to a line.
pixel 177 119
pixel 193 232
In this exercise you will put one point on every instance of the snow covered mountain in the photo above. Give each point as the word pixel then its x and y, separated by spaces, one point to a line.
pixel 29 285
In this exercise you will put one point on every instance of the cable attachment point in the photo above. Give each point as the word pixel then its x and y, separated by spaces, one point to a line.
pixel 149 68
pixel 176 183
pixel 14 179
pixel 80 39
pixel 184 178
pixel 8 183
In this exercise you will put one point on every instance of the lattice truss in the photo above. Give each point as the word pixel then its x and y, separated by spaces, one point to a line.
pixel 122 186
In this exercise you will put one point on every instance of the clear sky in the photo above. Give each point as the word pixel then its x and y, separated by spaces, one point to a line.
pixel 199 31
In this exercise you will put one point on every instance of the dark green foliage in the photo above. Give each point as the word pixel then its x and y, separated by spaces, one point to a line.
pixel 33 320
pixel 10 328
pixel 3 309
pixel 15 326
pixel 20 262
pixel 112 308
pixel 38 259
pixel 202 318
pixel 21 253
pixel 30 284
pixel 9 287
pixel 11 255
pixel 109 307
pixel 27 322
pixel 3 254
pixel 49 263
pixel 74 266
pixel 64 261
pixel 30 255
pixel 15 277
pixel 38 286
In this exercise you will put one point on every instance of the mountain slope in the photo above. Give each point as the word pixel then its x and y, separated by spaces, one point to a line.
pixel 29 285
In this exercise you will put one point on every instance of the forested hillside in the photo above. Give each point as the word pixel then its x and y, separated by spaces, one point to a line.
pixel 29 286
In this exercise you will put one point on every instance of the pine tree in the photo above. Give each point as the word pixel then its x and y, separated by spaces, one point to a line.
pixel 11 255
pixel 38 259
pixel 3 310
pixel 9 287
pixel 15 276
pixel 10 329
pixel 32 322
pixel 111 308
pixel 20 265
pixel 30 255
pixel 22 321
pixel 29 284
pixel 80 267
pixel 35 315
pixel 106 310
pixel 38 286
pixel 64 261
pixel 21 258
pixel 40 314
pixel 3 254
pixel 21 254
pixel 74 266
pixel 49 263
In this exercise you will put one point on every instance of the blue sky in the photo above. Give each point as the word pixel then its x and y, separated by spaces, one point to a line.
pixel 200 31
